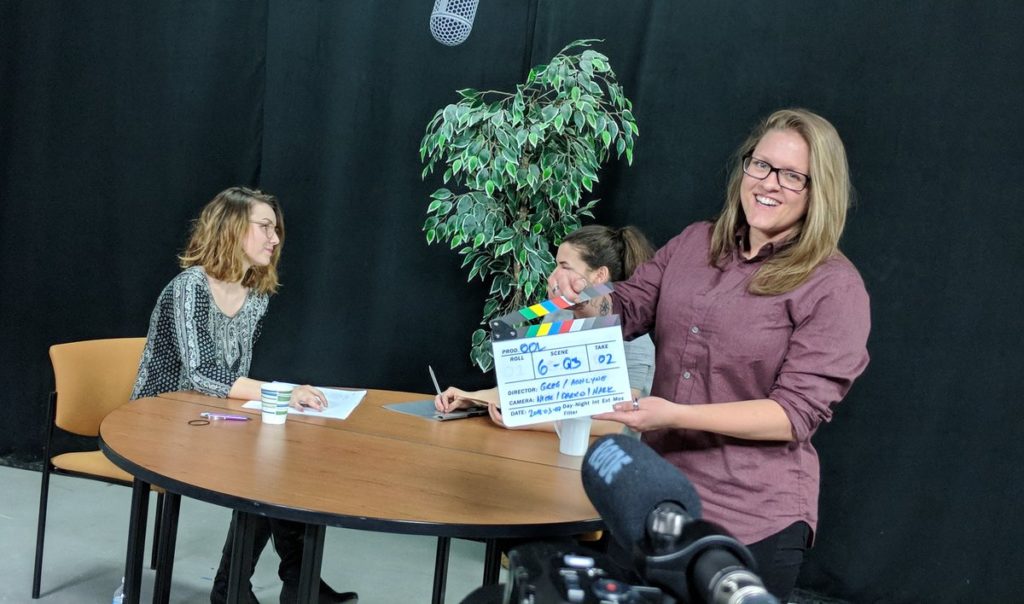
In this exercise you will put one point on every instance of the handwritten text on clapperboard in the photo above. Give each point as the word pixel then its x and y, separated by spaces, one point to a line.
pixel 541 379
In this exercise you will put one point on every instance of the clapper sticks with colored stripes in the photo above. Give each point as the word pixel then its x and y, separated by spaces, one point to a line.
pixel 558 369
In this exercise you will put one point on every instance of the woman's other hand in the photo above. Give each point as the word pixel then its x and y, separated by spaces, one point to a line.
pixel 307 397
pixel 567 283
pixel 643 414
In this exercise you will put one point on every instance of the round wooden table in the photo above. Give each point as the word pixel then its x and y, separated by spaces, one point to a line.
pixel 378 470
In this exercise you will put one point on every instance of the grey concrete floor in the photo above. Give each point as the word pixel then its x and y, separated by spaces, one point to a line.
pixel 86 537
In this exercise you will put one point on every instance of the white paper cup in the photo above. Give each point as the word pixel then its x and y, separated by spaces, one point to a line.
pixel 573 435
pixel 275 399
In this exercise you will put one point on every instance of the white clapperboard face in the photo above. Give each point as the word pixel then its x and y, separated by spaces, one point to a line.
pixel 558 370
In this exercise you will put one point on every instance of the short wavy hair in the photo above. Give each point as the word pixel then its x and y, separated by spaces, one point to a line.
pixel 217 234
pixel 829 193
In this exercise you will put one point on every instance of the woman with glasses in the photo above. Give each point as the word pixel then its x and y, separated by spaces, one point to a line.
pixel 201 336
pixel 761 326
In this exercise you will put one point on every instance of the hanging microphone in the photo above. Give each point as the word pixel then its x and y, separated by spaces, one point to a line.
pixel 653 511
pixel 451 20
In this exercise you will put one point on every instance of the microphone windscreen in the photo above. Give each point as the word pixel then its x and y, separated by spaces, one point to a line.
pixel 625 480
pixel 451 20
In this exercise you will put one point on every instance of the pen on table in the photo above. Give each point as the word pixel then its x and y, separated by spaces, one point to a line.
pixel 237 418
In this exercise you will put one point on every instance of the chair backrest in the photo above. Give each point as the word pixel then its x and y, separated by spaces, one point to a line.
pixel 93 378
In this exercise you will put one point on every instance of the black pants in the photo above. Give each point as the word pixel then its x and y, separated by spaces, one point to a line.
pixel 780 556
pixel 287 541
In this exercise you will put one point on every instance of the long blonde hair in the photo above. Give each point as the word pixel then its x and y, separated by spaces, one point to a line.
pixel 216 239
pixel 816 237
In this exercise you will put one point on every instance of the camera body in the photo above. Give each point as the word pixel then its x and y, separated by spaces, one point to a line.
pixel 564 572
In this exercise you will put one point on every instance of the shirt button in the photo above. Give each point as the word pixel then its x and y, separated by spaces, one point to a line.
pixel 694 329
pixel 687 375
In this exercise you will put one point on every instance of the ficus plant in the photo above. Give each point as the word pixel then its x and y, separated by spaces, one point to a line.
pixel 521 164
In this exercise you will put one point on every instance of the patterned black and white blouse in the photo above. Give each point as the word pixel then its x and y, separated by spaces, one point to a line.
pixel 192 345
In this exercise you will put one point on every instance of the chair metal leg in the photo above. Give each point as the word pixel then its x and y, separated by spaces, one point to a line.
pixel 44 492
pixel 44 495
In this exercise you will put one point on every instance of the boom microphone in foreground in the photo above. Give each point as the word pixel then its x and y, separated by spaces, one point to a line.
pixel 653 511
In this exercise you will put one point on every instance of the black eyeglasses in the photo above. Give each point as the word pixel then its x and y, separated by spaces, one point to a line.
pixel 788 179
pixel 269 229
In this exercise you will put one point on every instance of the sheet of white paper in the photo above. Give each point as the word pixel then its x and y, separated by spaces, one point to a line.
pixel 340 404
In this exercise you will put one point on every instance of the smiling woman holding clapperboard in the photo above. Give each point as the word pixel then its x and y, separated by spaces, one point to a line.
pixel 201 336
pixel 761 325
pixel 598 254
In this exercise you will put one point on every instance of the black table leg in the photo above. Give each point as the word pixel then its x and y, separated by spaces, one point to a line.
pixel 492 562
pixel 441 570
pixel 167 539
pixel 136 541
pixel 241 557
pixel 312 558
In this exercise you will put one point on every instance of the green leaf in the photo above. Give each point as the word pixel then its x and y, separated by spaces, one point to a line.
pixel 629 155
pixel 510 168
pixel 441 193
pixel 489 187
pixel 478 240
pixel 431 235
pixel 606 137
pixel 534 138
pixel 502 137
pixel 468 93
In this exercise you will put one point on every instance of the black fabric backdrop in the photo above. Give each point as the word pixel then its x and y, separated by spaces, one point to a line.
pixel 118 121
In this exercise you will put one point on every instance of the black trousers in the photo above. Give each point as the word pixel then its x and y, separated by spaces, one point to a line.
pixel 287 537
pixel 780 556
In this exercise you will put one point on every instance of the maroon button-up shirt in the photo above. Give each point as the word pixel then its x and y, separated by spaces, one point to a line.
pixel 717 343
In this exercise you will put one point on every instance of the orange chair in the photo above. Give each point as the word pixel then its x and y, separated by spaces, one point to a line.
pixel 92 378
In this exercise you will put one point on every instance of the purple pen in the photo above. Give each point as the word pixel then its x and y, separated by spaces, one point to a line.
pixel 237 418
